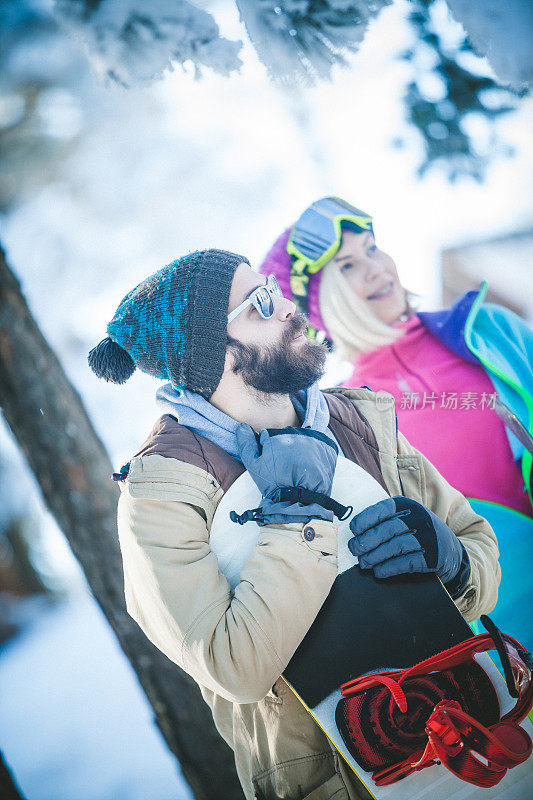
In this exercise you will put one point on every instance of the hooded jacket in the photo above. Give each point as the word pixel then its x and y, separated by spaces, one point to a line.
pixel 498 340
pixel 237 644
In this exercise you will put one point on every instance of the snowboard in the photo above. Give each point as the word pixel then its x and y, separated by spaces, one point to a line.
pixel 367 625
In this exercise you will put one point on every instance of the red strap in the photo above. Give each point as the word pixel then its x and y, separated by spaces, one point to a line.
pixel 450 741
pixel 364 682
pixel 396 691
pixel 451 657
pixel 416 762
pixel 481 759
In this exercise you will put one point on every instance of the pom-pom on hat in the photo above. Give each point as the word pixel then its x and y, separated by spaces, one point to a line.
pixel 173 325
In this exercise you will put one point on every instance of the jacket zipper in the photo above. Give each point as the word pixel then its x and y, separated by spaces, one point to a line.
pixel 397 467
pixel 527 458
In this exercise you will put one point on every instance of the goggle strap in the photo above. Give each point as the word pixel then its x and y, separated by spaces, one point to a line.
pixel 299 285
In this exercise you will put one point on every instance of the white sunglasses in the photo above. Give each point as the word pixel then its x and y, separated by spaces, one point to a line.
pixel 262 299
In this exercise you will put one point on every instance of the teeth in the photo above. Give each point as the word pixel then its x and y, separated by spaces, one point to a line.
pixel 383 291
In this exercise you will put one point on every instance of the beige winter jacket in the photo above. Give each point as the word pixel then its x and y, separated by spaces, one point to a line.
pixel 237 646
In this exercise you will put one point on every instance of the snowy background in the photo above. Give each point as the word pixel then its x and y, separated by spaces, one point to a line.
pixel 109 185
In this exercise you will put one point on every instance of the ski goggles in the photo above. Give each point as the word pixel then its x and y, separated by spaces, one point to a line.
pixel 262 299
pixel 316 237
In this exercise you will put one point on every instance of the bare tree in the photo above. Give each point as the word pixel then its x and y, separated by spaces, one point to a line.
pixel 8 787
pixel 49 421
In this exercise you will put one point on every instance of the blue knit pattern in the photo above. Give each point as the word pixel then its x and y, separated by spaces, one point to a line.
pixel 174 324
pixel 149 321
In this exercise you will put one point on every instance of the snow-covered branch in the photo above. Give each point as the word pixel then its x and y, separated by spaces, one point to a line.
pixel 501 31
pixel 134 42
pixel 303 39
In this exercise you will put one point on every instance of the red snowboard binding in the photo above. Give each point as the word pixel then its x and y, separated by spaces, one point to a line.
pixel 444 709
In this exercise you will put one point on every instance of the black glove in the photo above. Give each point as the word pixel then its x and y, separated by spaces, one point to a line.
pixel 399 535
pixel 293 469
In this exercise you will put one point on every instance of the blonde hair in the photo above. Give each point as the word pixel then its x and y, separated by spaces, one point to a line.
pixel 353 328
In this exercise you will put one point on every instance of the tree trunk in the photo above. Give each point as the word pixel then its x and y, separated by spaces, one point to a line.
pixel 47 416
pixel 8 788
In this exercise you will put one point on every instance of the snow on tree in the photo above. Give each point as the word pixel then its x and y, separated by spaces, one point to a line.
pixel 133 42
pixel 501 31
pixel 451 94
pixel 303 39
pixel 299 40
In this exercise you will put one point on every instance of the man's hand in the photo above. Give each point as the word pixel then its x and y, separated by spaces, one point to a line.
pixel 289 458
pixel 399 535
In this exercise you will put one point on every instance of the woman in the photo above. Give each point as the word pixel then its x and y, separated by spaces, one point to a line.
pixel 460 374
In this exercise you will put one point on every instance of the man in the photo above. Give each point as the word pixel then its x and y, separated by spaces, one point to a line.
pixel 240 369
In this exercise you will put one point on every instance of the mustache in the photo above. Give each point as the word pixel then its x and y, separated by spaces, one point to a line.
pixel 296 325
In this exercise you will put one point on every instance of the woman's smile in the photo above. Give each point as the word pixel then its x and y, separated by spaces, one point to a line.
pixel 385 291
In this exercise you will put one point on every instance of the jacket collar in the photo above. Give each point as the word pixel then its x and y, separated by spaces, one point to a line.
pixel 448 325
pixel 198 414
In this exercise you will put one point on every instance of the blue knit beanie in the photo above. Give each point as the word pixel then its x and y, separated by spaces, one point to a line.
pixel 173 325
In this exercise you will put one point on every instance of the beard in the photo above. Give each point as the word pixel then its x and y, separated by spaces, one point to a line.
pixel 280 368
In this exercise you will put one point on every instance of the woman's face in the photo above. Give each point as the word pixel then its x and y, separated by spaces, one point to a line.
pixel 371 274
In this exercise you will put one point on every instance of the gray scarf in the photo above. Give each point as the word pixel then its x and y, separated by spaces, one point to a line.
pixel 197 413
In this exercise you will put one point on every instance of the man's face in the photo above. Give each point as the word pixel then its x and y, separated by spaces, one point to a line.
pixel 272 355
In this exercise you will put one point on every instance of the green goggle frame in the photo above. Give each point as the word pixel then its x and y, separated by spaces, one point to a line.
pixel 315 238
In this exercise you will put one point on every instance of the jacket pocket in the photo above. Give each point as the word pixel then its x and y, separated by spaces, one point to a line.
pixel 332 789
pixel 311 777
pixel 275 694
